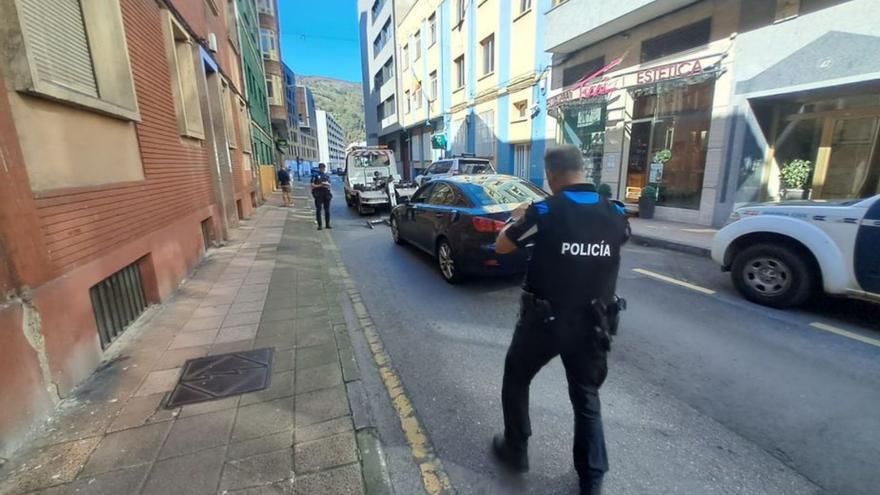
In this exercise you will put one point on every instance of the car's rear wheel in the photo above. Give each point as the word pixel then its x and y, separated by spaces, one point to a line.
pixel 395 231
pixel 348 201
pixel 773 275
pixel 449 269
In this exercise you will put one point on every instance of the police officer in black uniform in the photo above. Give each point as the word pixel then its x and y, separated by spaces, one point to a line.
pixel 568 308
pixel 322 194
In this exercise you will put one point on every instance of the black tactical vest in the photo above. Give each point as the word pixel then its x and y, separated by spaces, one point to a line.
pixel 576 254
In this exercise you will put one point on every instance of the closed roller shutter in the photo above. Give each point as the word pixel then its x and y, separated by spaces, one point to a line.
pixel 58 44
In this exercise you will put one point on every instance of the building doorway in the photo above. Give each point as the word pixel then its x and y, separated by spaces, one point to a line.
pixel 668 143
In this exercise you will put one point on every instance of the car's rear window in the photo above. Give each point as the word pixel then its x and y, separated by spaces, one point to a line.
pixel 475 167
pixel 494 190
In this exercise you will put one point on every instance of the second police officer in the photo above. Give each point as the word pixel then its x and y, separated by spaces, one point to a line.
pixel 568 309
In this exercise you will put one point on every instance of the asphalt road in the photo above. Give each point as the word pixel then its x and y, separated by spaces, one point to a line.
pixel 706 393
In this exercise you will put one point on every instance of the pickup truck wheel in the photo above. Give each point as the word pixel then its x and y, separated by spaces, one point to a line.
pixel 360 207
pixel 773 275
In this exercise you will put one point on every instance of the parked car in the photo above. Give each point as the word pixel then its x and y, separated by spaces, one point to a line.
pixel 459 165
pixel 781 253
pixel 456 221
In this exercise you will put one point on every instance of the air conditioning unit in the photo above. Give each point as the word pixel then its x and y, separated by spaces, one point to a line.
pixel 212 42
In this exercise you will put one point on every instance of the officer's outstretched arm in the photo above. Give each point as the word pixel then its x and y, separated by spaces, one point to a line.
pixel 519 233
pixel 503 244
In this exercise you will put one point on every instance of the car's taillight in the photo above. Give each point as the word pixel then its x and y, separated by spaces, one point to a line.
pixel 483 224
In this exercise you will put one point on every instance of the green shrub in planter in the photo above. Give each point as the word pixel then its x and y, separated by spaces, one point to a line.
pixel 604 191
pixel 647 202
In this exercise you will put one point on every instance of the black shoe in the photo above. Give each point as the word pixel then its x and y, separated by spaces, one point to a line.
pixel 319 227
pixel 591 486
pixel 517 461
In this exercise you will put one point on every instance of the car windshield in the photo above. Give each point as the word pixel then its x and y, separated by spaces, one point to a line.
pixel 475 167
pixel 495 190
pixel 370 158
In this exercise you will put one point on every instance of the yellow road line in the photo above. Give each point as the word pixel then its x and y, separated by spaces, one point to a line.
pixel 845 333
pixel 434 477
pixel 673 281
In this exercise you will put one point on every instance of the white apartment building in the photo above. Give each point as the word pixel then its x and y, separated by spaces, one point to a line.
pixel 381 103
pixel 331 140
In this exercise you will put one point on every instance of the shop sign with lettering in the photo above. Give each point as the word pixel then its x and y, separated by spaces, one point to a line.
pixel 669 71
pixel 583 89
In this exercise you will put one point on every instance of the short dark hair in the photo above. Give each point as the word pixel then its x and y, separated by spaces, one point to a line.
pixel 322 165
pixel 564 159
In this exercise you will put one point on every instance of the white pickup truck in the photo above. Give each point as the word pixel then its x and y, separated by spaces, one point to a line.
pixel 781 253
pixel 372 181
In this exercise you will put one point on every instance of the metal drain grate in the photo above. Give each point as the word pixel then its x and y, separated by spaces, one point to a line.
pixel 223 375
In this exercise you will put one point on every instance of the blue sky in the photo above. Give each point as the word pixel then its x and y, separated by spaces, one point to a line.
pixel 321 38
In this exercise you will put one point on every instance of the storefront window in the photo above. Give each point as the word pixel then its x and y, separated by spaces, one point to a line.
pixel 584 127
pixel 840 148
pixel 668 144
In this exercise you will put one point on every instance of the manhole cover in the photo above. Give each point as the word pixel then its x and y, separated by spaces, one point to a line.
pixel 223 375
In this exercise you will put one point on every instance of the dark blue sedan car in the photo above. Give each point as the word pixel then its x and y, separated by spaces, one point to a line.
pixel 457 219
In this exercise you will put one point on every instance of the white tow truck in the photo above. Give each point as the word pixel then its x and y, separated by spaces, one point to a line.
pixel 372 180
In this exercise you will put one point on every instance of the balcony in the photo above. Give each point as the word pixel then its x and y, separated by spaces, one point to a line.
pixel 576 24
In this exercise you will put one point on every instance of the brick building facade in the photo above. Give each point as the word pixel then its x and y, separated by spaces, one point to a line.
pixel 98 178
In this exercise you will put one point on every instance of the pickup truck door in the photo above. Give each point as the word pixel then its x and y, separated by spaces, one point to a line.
pixel 867 254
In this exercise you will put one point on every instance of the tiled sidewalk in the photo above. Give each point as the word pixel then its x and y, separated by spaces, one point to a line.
pixel 271 288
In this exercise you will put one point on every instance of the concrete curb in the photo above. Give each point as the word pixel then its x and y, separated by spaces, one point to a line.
pixel 680 247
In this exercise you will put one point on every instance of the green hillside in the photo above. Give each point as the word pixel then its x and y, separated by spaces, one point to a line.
pixel 344 99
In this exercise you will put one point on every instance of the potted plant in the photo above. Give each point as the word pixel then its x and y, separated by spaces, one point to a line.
pixel 794 177
pixel 604 190
pixel 647 201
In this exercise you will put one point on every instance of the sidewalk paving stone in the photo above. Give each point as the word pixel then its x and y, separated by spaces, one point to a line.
pixel 269 286
pixel 194 474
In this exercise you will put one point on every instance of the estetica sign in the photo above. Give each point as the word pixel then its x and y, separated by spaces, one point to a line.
pixel 669 71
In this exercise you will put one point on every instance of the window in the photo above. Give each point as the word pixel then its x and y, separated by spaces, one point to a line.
pixel 524 5
pixel 433 78
pixel 382 38
pixel 232 23
pixel 679 40
pixel 226 99
pixel 244 123
pixel 74 51
pixel 787 9
pixel 442 195
pixel 404 57
pixel 521 160
pixel 183 80
pixel 408 101
pixel 521 108
pixel 488 45
pixel 377 6
pixel 423 193
pixel 417 45
pixel 461 10
pixel 573 74
pixel 417 97
pixel 459 72
pixel 432 27
pixel 269 44
pixel 266 7
pixel 558 2
pixel 485 134
pixel 274 90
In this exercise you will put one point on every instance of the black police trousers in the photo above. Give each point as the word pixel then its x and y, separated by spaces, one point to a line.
pixel 322 202
pixel 535 342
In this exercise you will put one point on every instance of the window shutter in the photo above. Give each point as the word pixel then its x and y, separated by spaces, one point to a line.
pixel 58 44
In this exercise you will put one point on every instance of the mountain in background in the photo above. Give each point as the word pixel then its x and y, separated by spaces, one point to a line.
pixel 344 99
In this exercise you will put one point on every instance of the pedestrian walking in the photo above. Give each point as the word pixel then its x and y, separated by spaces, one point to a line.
pixel 322 194
pixel 568 308
pixel 284 184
